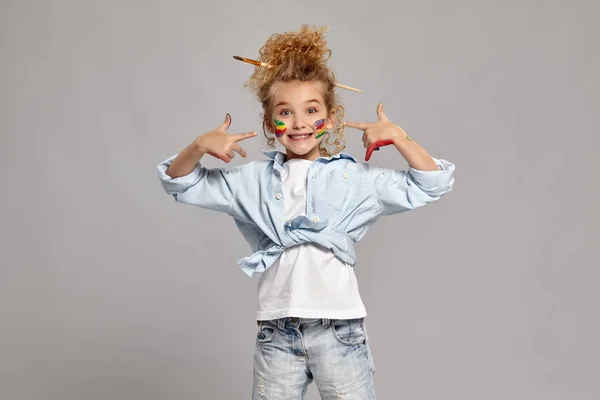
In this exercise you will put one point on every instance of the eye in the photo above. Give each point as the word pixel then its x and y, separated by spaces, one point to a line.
pixel 312 110
pixel 284 112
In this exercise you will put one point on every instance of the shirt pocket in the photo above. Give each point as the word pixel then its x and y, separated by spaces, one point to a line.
pixel 343 189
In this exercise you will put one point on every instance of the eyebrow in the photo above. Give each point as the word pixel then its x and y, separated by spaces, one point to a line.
pixel 282 103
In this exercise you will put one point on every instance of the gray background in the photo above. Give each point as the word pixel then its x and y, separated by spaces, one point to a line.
pixel 110 290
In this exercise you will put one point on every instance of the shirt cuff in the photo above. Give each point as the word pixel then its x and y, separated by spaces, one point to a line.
pixel 435 183
pixel 181 183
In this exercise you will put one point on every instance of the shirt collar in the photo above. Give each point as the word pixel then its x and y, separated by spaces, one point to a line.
pixel 278 157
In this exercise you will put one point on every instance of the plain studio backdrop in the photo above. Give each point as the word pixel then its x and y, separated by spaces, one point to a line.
pixel 111 290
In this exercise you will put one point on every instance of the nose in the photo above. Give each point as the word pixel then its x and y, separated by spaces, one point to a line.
pixel 298 124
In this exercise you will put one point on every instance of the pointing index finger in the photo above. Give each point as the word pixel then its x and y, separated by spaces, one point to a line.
pixel 357 125
pixel 241 136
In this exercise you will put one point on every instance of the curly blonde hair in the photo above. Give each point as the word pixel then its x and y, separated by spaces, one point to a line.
pixel 299 56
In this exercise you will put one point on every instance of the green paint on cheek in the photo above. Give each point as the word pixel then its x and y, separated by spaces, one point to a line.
pixel 280 127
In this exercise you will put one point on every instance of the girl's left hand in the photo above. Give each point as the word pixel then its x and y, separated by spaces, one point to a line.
pixel 381 133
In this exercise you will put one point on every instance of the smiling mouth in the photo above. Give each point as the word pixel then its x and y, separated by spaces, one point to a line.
pixel 300 136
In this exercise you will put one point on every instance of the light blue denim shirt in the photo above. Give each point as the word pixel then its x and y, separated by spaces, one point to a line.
pixel 343 199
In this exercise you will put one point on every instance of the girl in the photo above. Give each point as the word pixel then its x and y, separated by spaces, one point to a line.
pixel 302 211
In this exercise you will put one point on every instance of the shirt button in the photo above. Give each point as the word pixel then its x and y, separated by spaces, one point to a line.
pixel 316 218
pixel 345 175
pixel 278 196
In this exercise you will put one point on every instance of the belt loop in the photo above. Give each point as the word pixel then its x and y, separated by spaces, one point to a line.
pixel 281 324
pixel 326 322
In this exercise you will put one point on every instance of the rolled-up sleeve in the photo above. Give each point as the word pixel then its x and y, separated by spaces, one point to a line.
pixel 399 190
pixel 212 189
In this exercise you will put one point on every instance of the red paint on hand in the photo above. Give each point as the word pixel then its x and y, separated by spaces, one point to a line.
pixel 375 146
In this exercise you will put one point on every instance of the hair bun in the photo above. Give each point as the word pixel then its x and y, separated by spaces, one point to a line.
pixel 303 50
pixel 308 46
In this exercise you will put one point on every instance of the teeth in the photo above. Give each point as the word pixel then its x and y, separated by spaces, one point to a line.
pixel 300 136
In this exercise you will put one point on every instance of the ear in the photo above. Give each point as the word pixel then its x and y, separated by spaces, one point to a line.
pixel 330 122
pixel 269 127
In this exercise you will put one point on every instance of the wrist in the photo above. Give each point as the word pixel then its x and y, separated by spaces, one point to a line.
pixel 198 148
pixel 402 142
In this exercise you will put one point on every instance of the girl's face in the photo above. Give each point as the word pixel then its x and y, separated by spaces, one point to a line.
pixel 299 118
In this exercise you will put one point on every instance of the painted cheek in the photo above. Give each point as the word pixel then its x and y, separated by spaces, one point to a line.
pixel 280 128
pixel 319 127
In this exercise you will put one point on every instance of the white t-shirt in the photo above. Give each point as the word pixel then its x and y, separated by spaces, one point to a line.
pixel 307 281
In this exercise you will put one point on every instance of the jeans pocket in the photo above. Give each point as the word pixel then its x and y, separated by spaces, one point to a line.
pixel 266 332
pixel 349 332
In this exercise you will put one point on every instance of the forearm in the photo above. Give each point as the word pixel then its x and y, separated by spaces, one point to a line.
pixel 416 156
pixel 186 161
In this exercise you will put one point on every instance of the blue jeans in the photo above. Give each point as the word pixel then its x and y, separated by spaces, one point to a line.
pixel 292 352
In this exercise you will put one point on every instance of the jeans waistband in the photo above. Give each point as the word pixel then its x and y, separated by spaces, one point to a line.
pixel 295 322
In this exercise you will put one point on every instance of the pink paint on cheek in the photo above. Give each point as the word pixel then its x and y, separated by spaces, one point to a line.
pixel 319 127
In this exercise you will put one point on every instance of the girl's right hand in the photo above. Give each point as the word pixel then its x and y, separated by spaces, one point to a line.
pixel 220 144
